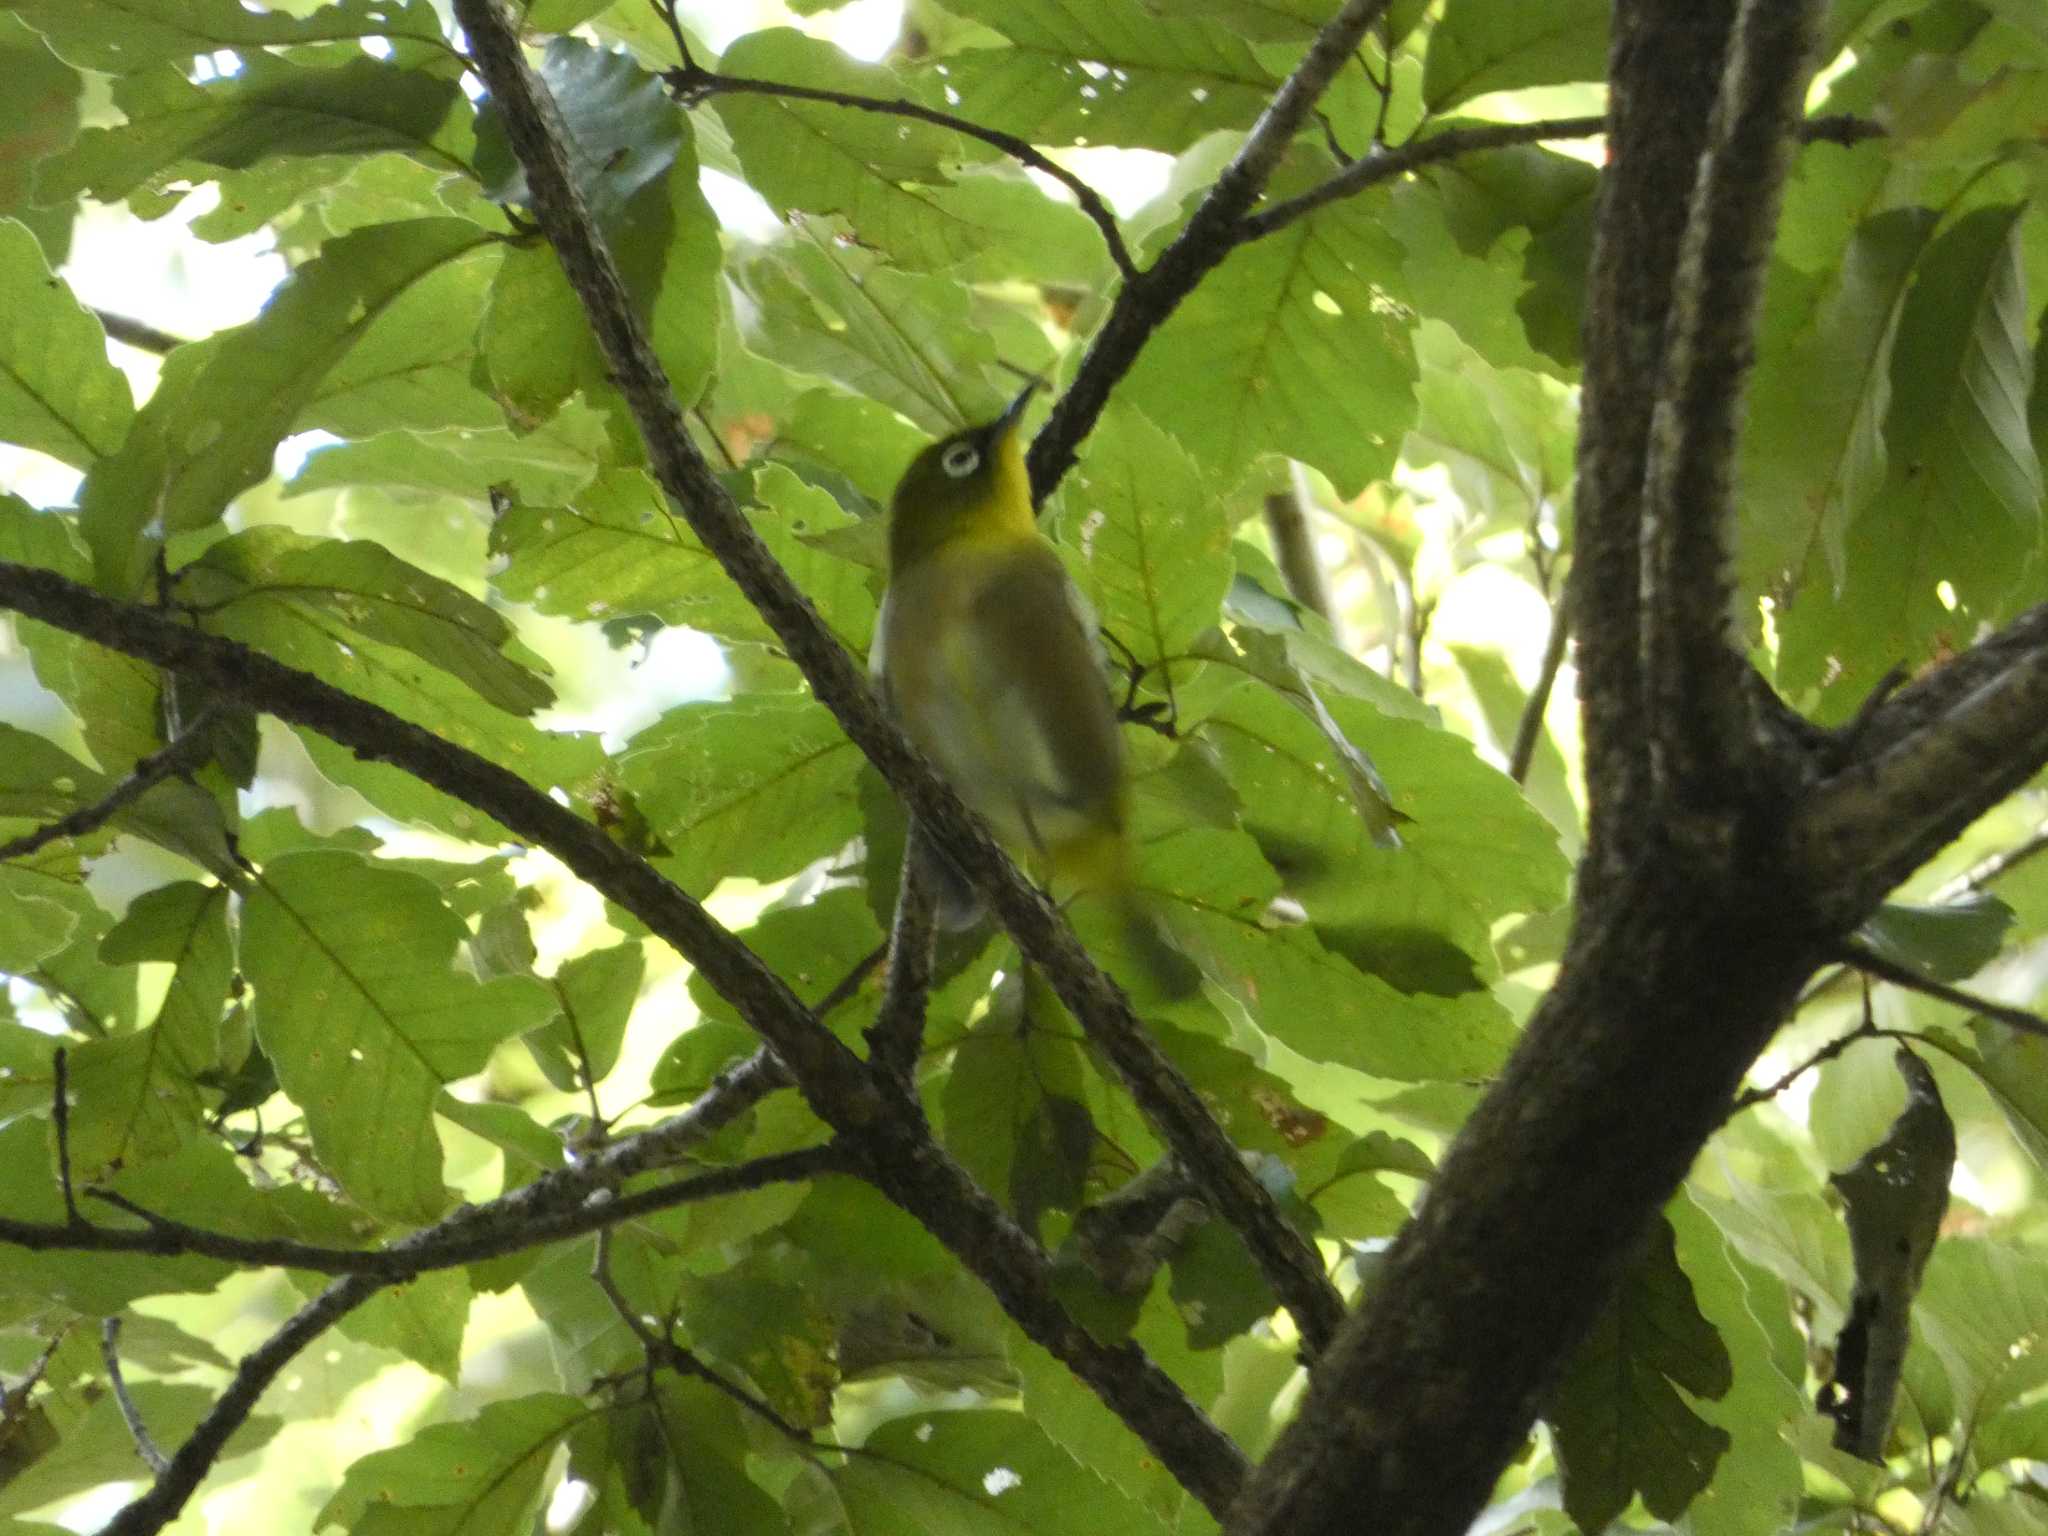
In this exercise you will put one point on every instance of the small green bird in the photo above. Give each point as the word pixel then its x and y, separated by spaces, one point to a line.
pixel 987 656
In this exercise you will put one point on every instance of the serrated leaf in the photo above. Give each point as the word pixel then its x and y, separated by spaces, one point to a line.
pixel 1013 1091
pixel 1814 451
pixel 223 405
pixel 1621 1426
pixel 38 116
pixel 903 340
pixel 877 171
pixel 256 585
pixel 1110 72
pixel 58 392
pixel 359 1008
pixel 483 1474
pixel 1942 544
pixel 547 465
pixel 1479 46
pixel 422 1319
pixel 757 786
pixel 1212 889
pixel 1498 193
pixel 1146 538
pixel 1297 344
pixel 118 36
pixel 813 948
pixel 1758 1484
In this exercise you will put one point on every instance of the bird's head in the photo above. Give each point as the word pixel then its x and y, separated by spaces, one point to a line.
pixel 971 483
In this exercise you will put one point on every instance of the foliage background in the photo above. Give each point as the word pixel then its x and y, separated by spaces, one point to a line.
pixel 409 475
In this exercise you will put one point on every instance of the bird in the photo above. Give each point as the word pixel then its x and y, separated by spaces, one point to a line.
pixel 987 656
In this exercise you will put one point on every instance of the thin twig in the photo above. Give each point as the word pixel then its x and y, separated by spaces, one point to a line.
pixel 160 1503
pixel 180 757
pixel 849 984
pixel 1868 961
pixel 138 334
pixel 60 1119
pixel 662 1349
pixel 1529 730
pixel 1211 232
pixel 1378 165
pixel 110 1353
pixel 693 84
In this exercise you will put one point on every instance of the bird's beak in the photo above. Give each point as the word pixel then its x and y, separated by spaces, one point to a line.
pixel 1007 422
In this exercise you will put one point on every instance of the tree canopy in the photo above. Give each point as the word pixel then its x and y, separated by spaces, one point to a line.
pixel 1562 490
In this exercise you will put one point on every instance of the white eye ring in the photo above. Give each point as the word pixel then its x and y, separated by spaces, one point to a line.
pixel 961 460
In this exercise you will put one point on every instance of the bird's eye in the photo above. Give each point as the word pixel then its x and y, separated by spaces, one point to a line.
pixel 960 460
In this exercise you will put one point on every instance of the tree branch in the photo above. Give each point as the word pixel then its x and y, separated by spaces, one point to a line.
pixel 1933 758
pixel 1162 1093
pixel 896 1151
pixel 692 84
pixel 160 1504
pixel 1211 233
pixel 554 1206
pixel 1664 73
pixel 1862 958
pixel 138 334
pixel 1694 687
pixel 897 1034
pixel 180 757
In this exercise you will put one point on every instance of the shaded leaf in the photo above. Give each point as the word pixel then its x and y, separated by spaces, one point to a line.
pixel 58 392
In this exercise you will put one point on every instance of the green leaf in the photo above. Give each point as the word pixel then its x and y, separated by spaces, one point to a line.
pixel 1145 537
pixel 1943 943
pixel 485 1474
pixel 1504 434
pixel 269 110
pixel 1621 1426
pixel 422 1319
pixel 546 465
pixel 100 1448
pixel 637 158
pixel 977 1472
pixel 1959 513
pixel 1217 1286
pixel 223 405
pixel 1982 1309
pixel 58 392
pixel 358 1007
pixel 757 786
pixel 1814 452
pixel 596 993
pixel 1013 1110
pixel 262 584
pixel 119 36
pixel 1298 344
pixel 94 1284
pixel 38 116
pixel 1498 193
pixel 1212 888
pixel 903 340
pixel 813 948
pixel 1111 72
pixel 877 171
pixel 1757 1485
pixel 1481 46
